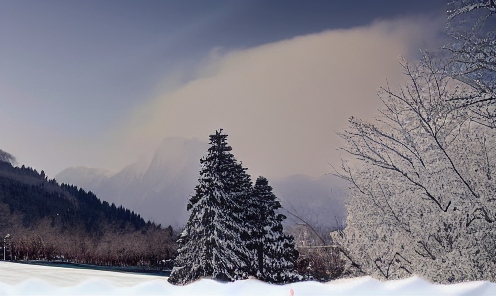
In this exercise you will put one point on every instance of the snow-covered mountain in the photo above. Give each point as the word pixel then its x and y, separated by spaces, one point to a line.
pixel 159 189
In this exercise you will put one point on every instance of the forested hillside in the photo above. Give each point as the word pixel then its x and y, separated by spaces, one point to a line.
pixel 45 220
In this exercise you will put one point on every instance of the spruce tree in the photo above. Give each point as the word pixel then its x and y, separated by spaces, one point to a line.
pixel 273 252
pixel 212 243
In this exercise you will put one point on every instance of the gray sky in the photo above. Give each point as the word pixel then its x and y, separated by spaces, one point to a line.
pixel 100 83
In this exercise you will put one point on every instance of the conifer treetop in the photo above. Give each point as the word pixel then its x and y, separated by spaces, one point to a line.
pixel 211 244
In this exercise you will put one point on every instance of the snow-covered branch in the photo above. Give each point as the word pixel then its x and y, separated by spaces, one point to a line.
pixel 461 7
pixel 422 183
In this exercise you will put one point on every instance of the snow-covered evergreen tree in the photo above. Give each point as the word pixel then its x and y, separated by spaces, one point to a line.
pixel 211 243
pixel 273 252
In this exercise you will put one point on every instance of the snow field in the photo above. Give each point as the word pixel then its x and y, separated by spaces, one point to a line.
pixel 22 279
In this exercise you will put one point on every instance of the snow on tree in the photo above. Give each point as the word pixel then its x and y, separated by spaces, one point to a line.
pixel 273 252
pixel 459 7
pixel 7 157
pixel 212 243
pixel 472 28
pixel 422 199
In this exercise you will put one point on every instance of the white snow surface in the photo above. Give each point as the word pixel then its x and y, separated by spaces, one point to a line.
pixel 23 279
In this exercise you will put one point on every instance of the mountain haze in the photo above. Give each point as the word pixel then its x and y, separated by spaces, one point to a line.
pixel 87 177
pixel 160 189
pixel 319 201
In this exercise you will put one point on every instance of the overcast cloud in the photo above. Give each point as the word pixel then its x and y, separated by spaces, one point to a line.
pixel 280 103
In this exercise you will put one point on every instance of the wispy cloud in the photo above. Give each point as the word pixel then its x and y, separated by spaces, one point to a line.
pixel 280 103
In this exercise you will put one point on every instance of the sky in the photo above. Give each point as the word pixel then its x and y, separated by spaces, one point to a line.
pixel 102 83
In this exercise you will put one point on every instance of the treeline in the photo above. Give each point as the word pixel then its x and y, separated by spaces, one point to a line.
pixel 47 221
pixel 113 248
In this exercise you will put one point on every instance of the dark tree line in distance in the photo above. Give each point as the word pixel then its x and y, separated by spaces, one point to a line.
pixel 47 221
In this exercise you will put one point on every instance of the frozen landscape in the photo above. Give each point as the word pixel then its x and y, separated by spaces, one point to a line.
pixel 23 279
pixel 368 174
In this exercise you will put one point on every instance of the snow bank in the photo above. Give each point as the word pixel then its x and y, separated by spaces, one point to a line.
pixel 21 279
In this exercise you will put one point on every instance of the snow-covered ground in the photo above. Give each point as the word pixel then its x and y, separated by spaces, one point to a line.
pixel 22 279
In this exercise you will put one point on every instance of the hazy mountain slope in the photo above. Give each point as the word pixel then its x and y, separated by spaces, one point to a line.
pixel 123 187
pixel 170 180
pixel 160 189
pixel 86 177
pixel 317 200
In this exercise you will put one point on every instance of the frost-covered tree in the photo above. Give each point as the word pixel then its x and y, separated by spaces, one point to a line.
pixel 273 252
pixel 472 31
pixel 7 157
pixel 423 190
pixel 213 242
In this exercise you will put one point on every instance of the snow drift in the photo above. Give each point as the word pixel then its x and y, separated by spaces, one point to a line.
pixel 21 279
